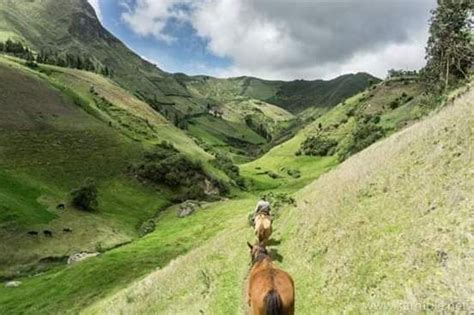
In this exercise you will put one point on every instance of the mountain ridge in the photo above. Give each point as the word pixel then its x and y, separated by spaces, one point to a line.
pixel 78 29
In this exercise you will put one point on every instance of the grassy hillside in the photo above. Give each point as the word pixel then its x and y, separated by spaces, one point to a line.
pixel 294 96
pixel 287 165
pixel 59 127
pixel 387 231
pixel 57 28
pixel 72 26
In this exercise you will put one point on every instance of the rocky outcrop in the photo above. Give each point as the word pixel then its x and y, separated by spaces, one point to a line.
pixel 80 257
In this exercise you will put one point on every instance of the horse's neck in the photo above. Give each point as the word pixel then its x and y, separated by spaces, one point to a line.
pixel 262 263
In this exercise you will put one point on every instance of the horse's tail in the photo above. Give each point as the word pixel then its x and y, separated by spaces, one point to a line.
pixel 273 303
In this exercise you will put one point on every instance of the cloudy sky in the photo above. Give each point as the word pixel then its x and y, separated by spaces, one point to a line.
pixel 272 39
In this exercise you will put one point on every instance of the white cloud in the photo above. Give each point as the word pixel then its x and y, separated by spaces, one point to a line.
pixel 299 38
pixel 96 6
pixel 149 18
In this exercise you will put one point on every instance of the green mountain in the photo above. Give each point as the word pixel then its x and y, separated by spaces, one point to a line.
pixel 61 29
pixel 72 26
pixel 294 96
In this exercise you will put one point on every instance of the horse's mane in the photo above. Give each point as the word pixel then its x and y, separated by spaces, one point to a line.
pixel 261 255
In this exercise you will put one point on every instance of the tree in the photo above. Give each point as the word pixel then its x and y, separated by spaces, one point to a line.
pixel 450 50
pixel 85 197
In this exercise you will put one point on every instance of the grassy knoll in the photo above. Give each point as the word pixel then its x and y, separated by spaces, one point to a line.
pixel 387 231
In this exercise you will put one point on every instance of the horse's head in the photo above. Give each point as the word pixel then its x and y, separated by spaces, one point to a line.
pixel 257 252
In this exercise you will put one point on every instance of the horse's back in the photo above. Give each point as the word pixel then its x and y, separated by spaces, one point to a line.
pixel 272 287
pixel 263 227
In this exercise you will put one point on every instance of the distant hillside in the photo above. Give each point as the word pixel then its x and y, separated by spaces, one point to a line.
pixel 344 130
pixel 294 96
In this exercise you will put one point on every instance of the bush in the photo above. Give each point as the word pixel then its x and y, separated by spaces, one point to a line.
pixel 318 146
pixel 167 166
pixel 294 173
pixel 363 135
pixel 147 227
pixel 272 175
pixel 224 163
pixel 402 99
pixel 85 197
pixel 394 104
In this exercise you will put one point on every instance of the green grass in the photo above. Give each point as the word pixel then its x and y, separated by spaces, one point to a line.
pixel 68 290
pixel 19 204
pixel 377 229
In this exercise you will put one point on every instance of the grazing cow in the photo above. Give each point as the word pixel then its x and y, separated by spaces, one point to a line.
pixel 61 206
pixel 270 289
pixel 33 233
pixel 48 233
pixel 67 230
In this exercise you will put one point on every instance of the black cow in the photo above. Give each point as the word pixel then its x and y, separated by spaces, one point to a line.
pixel 48 233
pixel 67 230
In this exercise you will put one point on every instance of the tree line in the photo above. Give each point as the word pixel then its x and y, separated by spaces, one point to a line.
pixel 51 57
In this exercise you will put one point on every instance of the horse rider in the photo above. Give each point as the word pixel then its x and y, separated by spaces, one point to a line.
pixel 263 206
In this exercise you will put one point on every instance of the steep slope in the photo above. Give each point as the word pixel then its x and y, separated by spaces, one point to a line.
pixel 72 26
pixel 387 231
pixel 59 127
pixel 379 110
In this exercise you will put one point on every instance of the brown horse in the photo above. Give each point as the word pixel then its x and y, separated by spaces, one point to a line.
pixel 263 227
pixel 270 289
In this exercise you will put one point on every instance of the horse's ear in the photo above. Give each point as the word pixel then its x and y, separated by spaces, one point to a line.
pixel 249 245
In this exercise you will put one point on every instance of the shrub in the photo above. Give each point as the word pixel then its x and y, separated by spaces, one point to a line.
pixel 363 135
pixel 394 104
pixel 147 227
pixel 318 146
pixel 294 173
pixel 167 166
pixel 272 174
pixel 85 197
pixel 224 163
